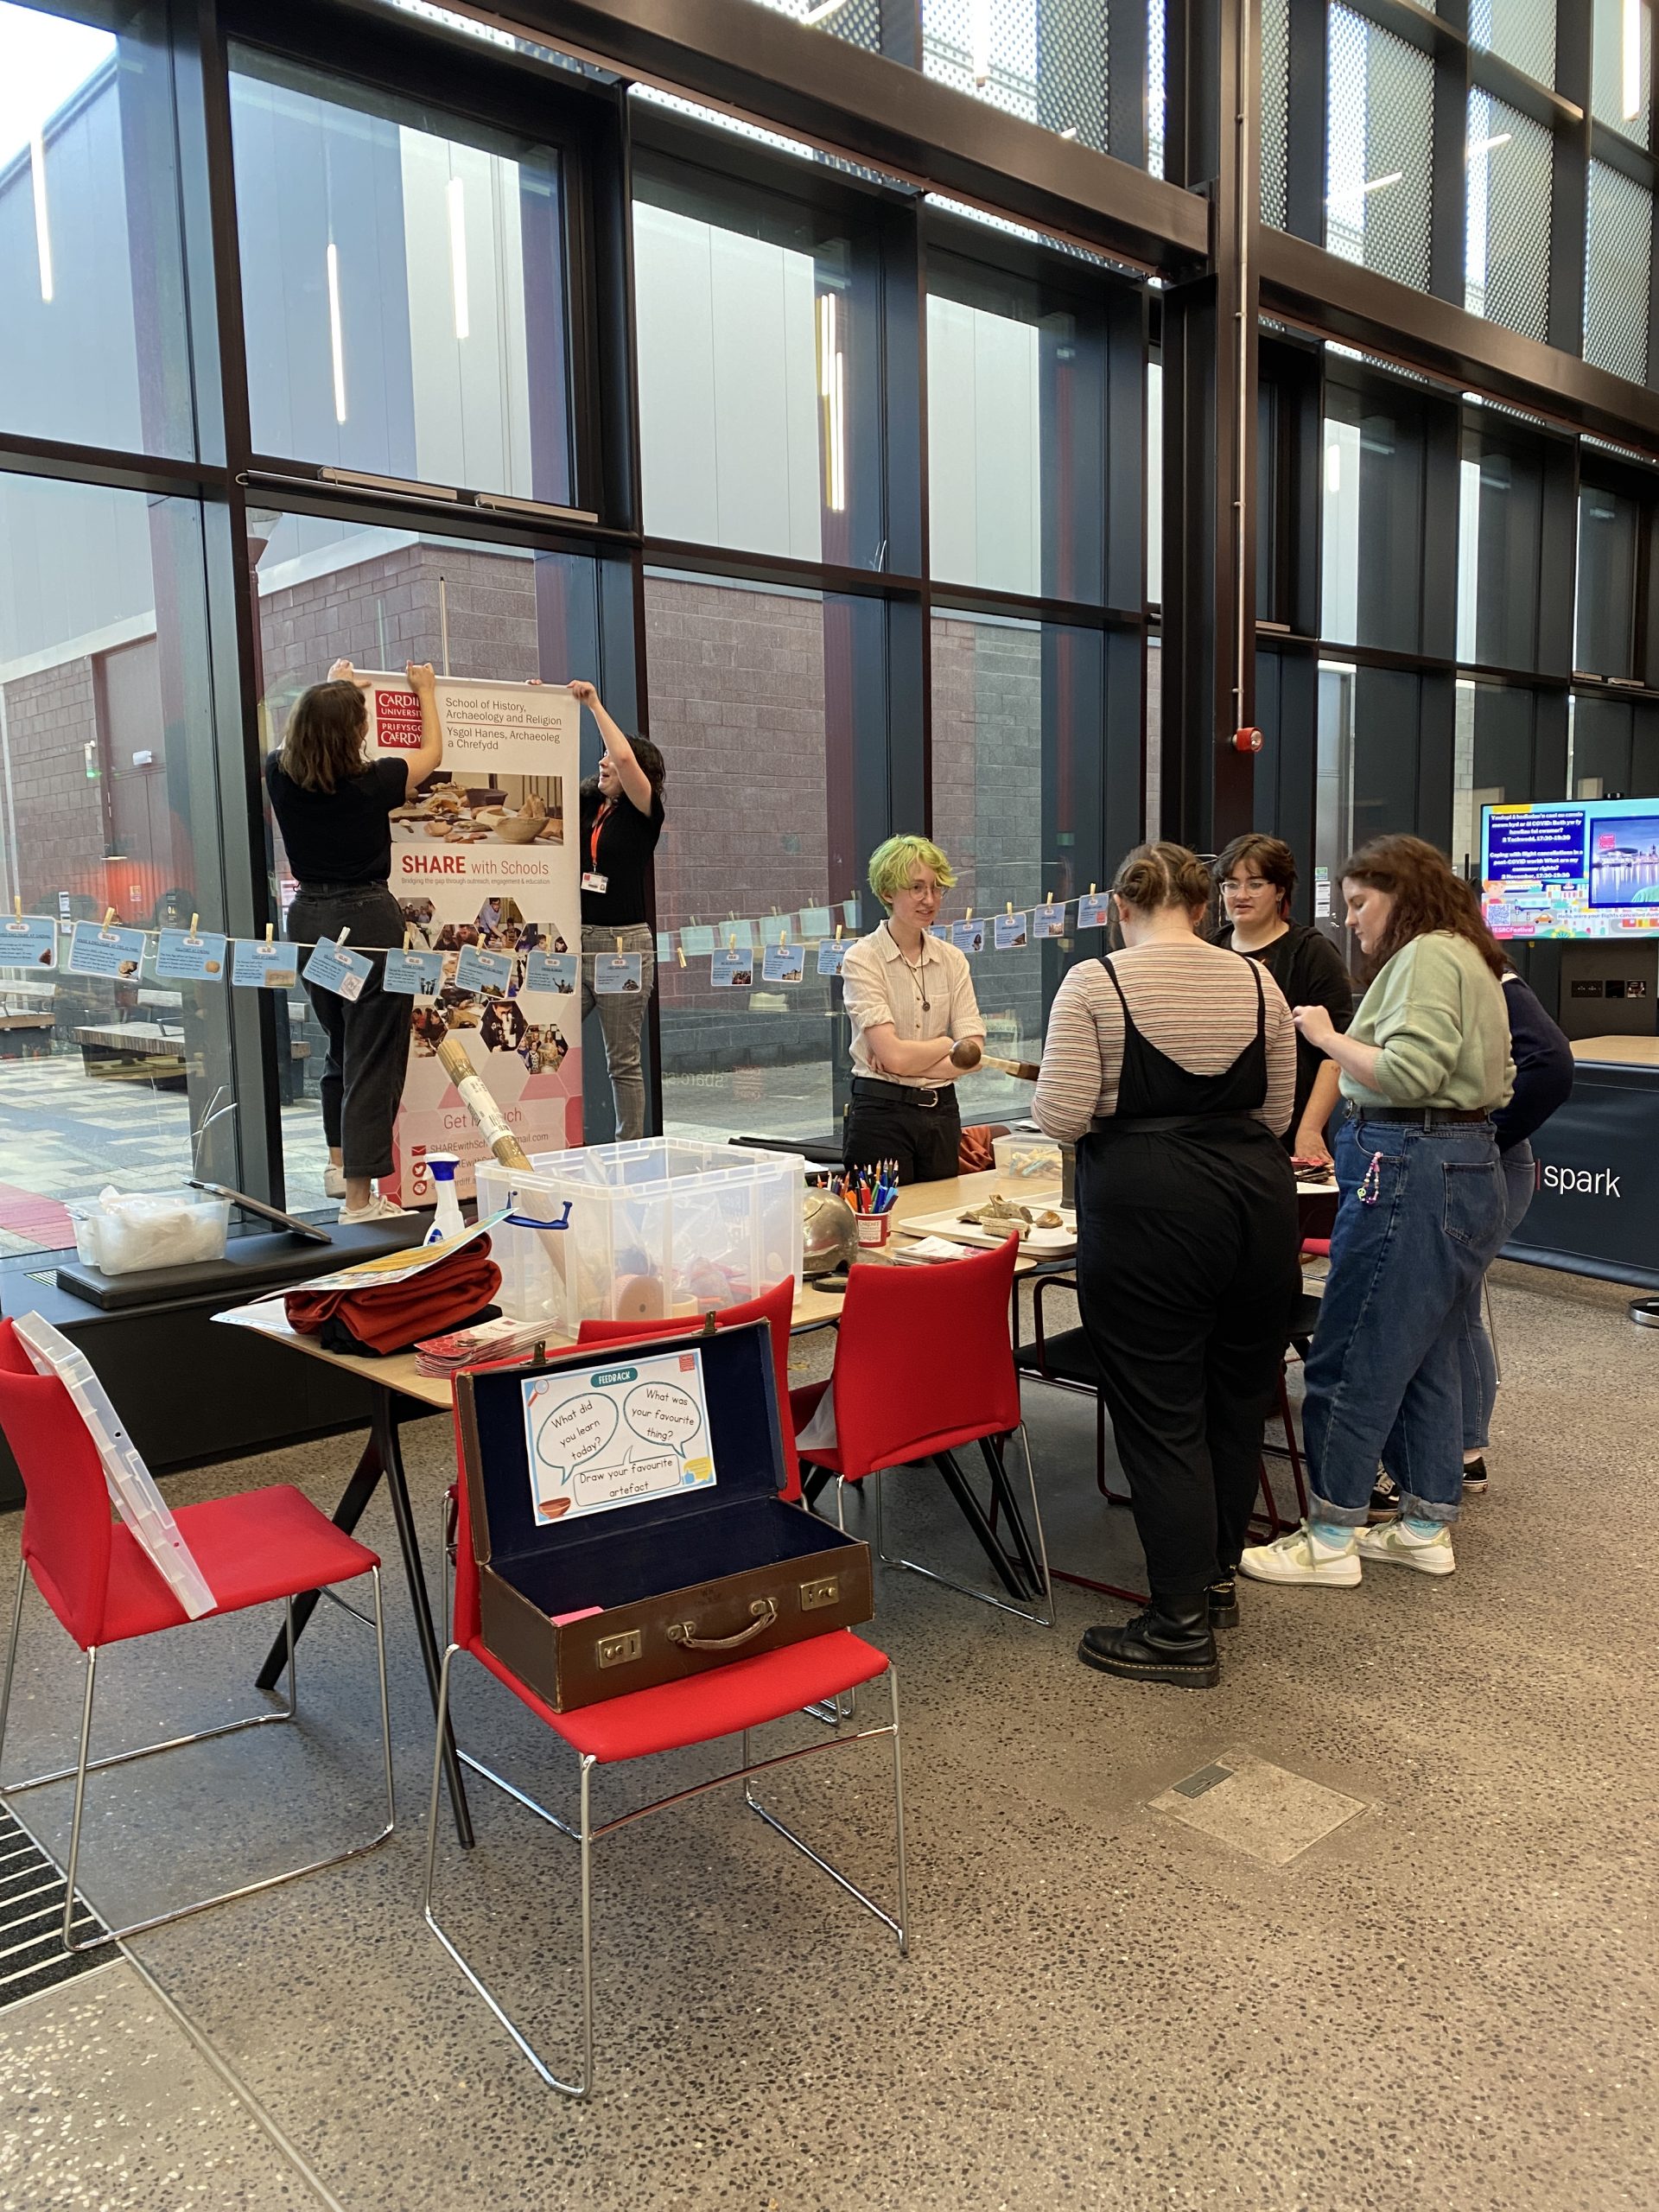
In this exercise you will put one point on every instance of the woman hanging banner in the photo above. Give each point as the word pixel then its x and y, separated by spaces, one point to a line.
pixel 484 860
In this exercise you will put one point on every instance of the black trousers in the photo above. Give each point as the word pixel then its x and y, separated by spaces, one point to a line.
pixel 1188 1273
pixel 368 1037
pixel 924 1140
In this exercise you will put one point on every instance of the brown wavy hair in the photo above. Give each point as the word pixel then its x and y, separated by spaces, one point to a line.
pixel 1154 876
pixel 322 745
pixel 1428 895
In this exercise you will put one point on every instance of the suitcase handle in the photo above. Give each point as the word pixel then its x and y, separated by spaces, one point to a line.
pixel 763 1609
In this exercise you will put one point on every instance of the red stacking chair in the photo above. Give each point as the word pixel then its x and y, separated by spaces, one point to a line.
pixel 254 1548
pixel 726 1701
pixel 776 1307
pixel 924 1365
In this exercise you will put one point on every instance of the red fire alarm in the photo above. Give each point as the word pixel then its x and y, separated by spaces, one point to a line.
pixel 1247 741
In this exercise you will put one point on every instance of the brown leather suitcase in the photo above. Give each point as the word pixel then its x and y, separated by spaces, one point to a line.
pixel 626 1596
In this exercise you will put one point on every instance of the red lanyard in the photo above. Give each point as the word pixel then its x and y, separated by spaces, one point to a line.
pixel 593 837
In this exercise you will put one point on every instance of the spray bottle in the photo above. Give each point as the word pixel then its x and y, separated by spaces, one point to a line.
pixel 447 1221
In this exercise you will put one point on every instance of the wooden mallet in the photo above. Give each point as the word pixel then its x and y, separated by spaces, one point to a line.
pixel 970 1053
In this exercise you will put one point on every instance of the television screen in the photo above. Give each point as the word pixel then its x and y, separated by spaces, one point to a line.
pixel 1579 868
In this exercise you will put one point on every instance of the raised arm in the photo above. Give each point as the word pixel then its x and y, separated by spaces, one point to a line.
pixel 430 758
pixel 635 783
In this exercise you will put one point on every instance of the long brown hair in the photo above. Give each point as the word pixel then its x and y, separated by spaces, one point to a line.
pixel 1428 896
pixel 322 745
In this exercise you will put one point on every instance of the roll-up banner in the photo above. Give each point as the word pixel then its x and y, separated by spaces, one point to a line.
pixel 484 860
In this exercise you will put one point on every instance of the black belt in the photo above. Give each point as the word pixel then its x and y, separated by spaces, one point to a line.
pixel 1425 1117
pixel 929 1097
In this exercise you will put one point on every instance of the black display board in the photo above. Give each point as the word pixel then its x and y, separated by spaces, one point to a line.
pixel 1595 1206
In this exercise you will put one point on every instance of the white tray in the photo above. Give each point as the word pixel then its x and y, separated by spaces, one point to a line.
pixel 1037 1244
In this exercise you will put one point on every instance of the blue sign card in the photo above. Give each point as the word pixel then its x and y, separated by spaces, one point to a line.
pixel 28 941
pixel 731 971
pixel 478 970
pixel 1094 910
pixel 1011 933
pixel 552 971
pixel 185 956
pixel 263 967
pixel 814 923
pixel 338 968
pixel 94 951
pixel 618 971
pixel 967 937
pixel 413 975
pixel 831 954
pixel 784 963
pixel 696 939
pixel 1048 921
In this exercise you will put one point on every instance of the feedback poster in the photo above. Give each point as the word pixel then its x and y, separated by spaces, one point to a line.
pixel 485 855
pixel 609 1436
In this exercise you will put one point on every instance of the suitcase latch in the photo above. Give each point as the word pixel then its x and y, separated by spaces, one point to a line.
pixel 824 1592
pixel 617 1650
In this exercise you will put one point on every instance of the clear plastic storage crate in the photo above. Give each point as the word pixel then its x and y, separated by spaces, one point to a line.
pixel 657 1228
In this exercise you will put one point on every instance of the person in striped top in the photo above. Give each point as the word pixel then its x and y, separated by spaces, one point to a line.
pixel 1173 1065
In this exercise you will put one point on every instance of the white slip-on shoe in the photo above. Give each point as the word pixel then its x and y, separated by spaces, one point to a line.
pixel 377 1209
pixel 333 1181
pixel 1394 1542
pixel 1297 1558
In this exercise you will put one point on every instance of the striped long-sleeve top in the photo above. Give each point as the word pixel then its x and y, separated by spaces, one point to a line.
pixel 1193 1000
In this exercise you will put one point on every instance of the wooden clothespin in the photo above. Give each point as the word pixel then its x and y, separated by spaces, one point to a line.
pixel 1008 906
pixel 195 918
pixel 619 944
pixel 679 954
pixel 408 934
pixel 109 916
pixel 17 906
pixel 838 929
pixel 968 916
pixel 271 932
pixel 341 938
pixel 1092 891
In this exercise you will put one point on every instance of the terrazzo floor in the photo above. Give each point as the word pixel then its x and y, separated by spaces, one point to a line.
pixel 1444 1996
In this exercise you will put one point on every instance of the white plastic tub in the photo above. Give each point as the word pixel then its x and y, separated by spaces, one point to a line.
pixel 660 1228
pixel 119 1232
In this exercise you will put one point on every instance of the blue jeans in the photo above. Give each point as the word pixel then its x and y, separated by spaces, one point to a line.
pixel 1421 1218
pixel 1478 1362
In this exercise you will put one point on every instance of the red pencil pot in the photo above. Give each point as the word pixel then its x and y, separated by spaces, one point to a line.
pixel 873 1230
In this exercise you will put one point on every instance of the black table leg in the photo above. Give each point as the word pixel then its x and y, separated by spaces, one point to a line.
pixel 365 1476
pixel 1002 1491
pixel 391 1459
pixel 1007 1570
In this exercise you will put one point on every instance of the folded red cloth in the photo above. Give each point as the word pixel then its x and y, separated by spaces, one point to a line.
pixel 390 1317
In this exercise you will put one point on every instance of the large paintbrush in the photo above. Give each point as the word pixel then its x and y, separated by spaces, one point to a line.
pixel 970 1054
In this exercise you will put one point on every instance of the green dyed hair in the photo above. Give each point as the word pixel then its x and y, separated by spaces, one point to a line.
pixel 891 864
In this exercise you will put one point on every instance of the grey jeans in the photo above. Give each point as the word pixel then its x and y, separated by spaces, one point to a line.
pixel 368 1037
pixel 621 1016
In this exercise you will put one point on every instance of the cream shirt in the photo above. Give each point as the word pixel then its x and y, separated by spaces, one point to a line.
pixel 878 984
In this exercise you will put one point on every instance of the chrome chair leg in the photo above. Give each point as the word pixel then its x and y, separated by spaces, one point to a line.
pixel 584 1837
pixel 84 1765
pixel 750 1767
pixel 11 1653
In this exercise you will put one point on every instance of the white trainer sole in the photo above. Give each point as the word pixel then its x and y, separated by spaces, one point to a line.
pixel 1342 1573
pixel 1424 1558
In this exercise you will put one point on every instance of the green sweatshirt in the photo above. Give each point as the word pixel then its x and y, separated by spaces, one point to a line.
pixel 1437 1013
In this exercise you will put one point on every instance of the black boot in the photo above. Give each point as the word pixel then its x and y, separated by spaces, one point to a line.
pixel 1171 1641
pixel 1223 1601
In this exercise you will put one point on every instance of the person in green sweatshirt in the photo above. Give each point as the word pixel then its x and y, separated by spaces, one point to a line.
pixel 1424 1066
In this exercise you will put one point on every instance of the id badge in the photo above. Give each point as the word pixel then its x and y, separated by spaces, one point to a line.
pixel 592 881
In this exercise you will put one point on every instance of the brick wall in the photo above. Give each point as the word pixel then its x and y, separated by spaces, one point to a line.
pixel 60 833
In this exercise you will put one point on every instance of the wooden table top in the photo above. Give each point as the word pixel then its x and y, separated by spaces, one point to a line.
pixel 814 1308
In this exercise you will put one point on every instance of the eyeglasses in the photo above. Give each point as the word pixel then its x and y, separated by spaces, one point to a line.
pixel 1247 883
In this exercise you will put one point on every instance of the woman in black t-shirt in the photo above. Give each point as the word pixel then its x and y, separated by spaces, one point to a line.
pixel 621 821
pixel 1257 875
pixel 334 808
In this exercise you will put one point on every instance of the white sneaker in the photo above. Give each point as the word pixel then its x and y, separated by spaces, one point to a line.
pixel 333 1181
pixel 377 1209
pixel 1394 1542
pixel 1297 1558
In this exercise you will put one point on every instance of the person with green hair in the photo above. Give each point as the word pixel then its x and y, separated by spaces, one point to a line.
pixel 910 1001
